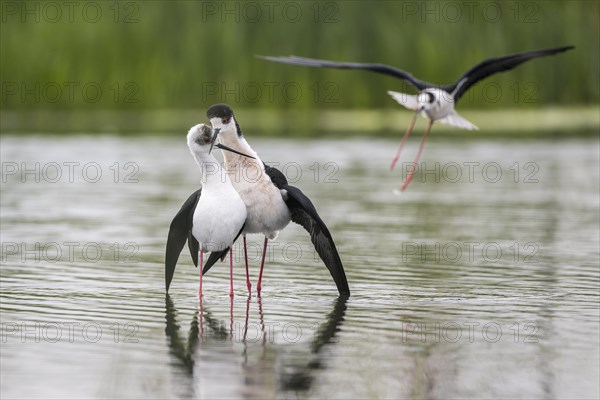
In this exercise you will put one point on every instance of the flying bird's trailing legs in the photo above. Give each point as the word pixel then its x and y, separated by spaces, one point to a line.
pixel 414 165
pixel 434 101
pixel 409 129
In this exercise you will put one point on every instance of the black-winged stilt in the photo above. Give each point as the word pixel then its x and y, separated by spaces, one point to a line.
pixel 434 102
pixel 211 219
pixel 270 201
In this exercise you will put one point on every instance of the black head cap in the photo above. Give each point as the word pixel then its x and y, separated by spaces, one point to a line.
pixel 219 111
pixel 225 113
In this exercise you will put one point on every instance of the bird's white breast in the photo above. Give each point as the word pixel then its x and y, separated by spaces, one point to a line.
pixel 267 211
pixel 442 105
pixel 219 215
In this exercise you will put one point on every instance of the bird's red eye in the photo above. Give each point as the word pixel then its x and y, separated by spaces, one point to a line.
pixel 225 120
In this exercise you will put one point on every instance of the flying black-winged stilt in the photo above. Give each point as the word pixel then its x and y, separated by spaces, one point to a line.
pixel 270 201
pixel 434 102
pixel 212 218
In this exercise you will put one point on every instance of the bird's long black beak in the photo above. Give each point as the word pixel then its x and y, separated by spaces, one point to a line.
pixel 223 147
pixel 214 138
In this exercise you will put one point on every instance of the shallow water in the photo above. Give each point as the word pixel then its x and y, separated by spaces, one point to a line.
pixel 481 280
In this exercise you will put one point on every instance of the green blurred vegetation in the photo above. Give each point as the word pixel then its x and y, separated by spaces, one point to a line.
pixel 187 55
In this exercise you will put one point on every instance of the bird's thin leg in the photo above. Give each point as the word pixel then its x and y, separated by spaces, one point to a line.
pixel 414 166
pixel 262 264
pixel 200 288
pixel 230 271
pixel 247 274
pixel 231 316
pixel 409 129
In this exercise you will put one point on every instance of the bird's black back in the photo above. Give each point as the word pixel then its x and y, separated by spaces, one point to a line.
pixel 277 177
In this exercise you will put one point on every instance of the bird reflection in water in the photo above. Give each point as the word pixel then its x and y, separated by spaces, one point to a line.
pixel 275 368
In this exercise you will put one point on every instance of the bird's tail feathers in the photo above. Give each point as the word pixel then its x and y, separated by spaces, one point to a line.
pixel 407 100
pixel 213 258
pixel 455 119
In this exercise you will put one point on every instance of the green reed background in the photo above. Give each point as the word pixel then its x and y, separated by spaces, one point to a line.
pixel 186 55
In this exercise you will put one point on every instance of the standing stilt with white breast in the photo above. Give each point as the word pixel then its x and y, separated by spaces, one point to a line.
pixel 270 202
pixel 212 218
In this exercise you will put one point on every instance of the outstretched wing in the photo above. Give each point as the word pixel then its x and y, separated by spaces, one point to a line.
pixel 304 213
pixel 179 230
pixel 494 65
pixel 379 68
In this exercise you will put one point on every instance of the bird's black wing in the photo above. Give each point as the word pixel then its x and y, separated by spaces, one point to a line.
pixel 219 255
pixel 379 68
pixel 179 230
pixel 277 177
pixel 194 247
pixel 494 65
pixel 213 258
pixel 304 213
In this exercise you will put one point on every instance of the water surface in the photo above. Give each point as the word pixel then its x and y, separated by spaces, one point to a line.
pixel 481 280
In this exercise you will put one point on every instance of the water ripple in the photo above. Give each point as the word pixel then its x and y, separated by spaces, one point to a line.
pixel 450 281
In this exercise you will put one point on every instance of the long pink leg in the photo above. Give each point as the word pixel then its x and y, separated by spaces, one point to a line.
pixel 414 166
pixel 231 316
pixel 200 266
pixel 230 272
pixel 409 129
pixel 247 274
pixel 262 264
